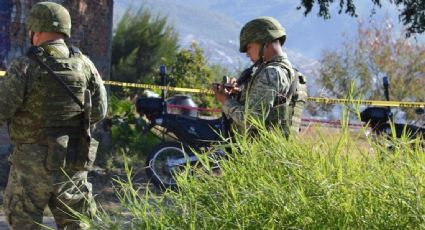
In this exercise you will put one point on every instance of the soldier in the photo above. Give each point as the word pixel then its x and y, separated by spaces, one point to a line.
pixel 50 160
pixel 274 91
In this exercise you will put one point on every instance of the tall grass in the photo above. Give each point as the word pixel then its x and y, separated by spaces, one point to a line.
pixel 335 181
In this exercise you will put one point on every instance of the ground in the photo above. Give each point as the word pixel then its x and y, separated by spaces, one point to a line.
pixel 103 189
pixel 104 180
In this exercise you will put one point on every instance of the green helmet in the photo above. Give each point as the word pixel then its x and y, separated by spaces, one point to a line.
pixel 49 17
pixel 261 30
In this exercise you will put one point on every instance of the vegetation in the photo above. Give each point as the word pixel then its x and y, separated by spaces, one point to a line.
pixel 372 54
pixel 191 70
pixel 412 12
pixel 272 183
pixel 329 181
pixel 127 128
pixel 140 44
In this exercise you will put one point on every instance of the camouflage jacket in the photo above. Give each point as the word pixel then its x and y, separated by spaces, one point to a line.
pixel 259 95
pixel 22 104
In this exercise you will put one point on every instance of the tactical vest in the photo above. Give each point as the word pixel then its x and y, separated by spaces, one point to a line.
pixel 288 108
pixel 47 108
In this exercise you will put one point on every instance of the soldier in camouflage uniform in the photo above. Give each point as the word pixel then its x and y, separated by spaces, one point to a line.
pixel 266 96
pixel 45 125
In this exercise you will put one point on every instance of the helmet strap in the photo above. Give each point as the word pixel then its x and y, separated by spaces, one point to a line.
pixel 32 37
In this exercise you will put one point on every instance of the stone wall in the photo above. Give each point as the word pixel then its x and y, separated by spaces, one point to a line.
pixel 91 29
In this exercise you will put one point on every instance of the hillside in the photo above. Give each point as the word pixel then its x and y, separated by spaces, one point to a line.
pixel 215 26
pixel 217 31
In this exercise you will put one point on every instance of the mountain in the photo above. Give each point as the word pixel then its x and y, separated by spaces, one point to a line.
pixel 212 24
pixel 215 26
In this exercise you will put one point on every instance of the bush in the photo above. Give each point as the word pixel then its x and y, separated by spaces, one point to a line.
pixel 126 131
pixel 270 182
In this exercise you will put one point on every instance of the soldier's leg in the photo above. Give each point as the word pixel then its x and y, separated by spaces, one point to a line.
pixel 72 197
pixel 28 191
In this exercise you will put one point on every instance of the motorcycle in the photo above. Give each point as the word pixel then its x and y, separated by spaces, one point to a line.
pixel 185 135
pixel 381 120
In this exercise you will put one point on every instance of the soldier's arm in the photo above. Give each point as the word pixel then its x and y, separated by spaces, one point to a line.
pixel 99 97
pixel 260 99
pixel 12 87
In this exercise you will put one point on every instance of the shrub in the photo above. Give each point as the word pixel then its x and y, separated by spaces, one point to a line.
pixel 270 182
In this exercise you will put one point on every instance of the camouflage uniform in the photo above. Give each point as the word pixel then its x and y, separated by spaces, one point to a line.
pixel 259 95
pixel 267 97
pixel 36 108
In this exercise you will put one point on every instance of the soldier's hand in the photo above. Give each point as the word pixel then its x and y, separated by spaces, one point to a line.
pixel 230 85
pixel 220 92
pixel 233 86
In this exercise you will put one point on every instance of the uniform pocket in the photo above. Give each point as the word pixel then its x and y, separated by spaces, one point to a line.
pixel 56 152
pixel 86 154
pixel 92 152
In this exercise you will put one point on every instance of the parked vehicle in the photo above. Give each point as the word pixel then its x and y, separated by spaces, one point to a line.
pixel 187 133
pixel 381 120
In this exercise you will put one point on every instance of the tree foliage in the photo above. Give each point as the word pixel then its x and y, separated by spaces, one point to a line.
pixel 141 42
pixel 376 52
pixel 412 12
pixel 192 70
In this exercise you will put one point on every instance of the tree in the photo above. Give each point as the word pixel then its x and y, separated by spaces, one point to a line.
pixel 412 12
pixel 191 69
pixel 141 43
pixel 376 52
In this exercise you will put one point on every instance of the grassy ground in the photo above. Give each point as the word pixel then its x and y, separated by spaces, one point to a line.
pixel 325 179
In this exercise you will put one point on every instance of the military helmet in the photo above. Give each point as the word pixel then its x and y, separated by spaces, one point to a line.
pixel 49 17
pixel 261 30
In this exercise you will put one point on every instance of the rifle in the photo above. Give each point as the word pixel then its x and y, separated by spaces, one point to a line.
pixel 86 119
pixel 244 77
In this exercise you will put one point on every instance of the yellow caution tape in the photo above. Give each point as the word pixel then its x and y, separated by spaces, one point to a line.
pixel 168 88
pixel 367 102
pixel 312 99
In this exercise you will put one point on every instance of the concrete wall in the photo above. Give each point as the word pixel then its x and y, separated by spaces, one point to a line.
pixel 91 29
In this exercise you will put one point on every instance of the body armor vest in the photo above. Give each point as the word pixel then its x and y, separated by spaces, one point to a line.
pixel 47 108
pixel 292 104
pixel 288 108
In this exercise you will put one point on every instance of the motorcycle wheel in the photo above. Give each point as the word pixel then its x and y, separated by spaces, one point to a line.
pixel 164 161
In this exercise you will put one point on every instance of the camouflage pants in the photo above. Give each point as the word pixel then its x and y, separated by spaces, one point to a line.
pixel 31 187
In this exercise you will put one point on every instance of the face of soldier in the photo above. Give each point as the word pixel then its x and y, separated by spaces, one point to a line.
pixel 35 38
pixel 253 51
